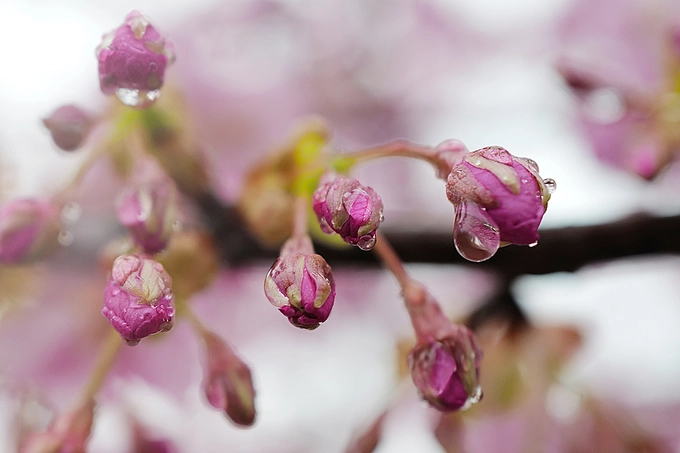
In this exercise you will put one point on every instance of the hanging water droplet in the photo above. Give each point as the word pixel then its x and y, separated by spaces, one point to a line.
pixel 533 244
pixel 474 233
pixel 550 184
pixel 70 213
pixel 382 217
pixel 65 238
pixel 137 98
pixel 366 242
pixel 473 399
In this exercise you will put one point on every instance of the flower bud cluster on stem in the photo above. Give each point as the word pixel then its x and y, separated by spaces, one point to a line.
pixel 444 364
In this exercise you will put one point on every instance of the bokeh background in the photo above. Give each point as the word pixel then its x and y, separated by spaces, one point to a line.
pixel 483 72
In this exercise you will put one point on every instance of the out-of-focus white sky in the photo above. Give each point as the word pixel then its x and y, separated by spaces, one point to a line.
pixel 630 311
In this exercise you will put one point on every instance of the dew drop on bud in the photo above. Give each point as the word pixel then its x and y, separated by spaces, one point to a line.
pixel 473 399
pixel 533 244
pixel 475 236
pixel 137 98
pixel 550 184
pixel 532 164
pixel 366 243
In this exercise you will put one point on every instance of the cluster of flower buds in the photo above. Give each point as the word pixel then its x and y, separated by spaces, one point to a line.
pixel 345 207
pixel 29 230
pixel 138 298
pixel 132 61
pixel 499 199
pixel 300 284
pixel 444 364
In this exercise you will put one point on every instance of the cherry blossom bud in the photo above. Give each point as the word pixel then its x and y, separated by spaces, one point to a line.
pixel 69 126
pixel 67 434
pixel 446 370
pixel 132 61
pixel 148 211
pixel 499 198
pixel 138 298
pixel 300 284
pixel 344 206
pixel 228 384
pixel 29 230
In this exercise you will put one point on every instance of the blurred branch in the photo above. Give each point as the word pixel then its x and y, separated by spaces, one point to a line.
pixel 560 249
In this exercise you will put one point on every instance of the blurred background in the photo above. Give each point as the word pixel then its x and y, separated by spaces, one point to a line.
pixel 484 72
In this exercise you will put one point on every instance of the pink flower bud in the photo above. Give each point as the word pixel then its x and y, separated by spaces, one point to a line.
pixel 148 213
pixel 498 198
pixel 301 285
pixel 132 61
pixel 29 230
pixel 346 207
pixel 138 298
pixel 67 434
pixel 446 370
pixel 228 384
pixel 69 126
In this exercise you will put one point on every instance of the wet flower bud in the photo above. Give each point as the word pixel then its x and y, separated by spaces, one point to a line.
pixel 68 433
pixel 446 370
pixel 29 230
pixel 344 206
pixel 138 298
pixel 300 284
pixel 228 384
pixel 69 126
pixel 499 198
pixel 148 211
pixel 132 61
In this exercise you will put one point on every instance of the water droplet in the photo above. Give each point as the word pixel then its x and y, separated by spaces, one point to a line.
pixel 474 233
pixel 532 164
pixel 382 217
pixel 70 213
pixel 473 399
pixel 533 244
pixel 132 342
pixel 65 238
pixel 366 242
pixel 137 98
pixel 550 184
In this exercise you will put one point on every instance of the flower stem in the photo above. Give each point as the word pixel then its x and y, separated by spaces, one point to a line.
pixel 391 260
pixel 300 217
pixel 402 148
pixel 107 356
pixel 195 321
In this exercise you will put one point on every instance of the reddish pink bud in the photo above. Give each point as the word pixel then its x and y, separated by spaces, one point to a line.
pixel 29 230
pixel 344 206
pixel 67 434
pixel 69 126
pixel 446 370
pixel 138 298
pixel 228 384
pixel 498 198
pixel 132 61
pixel 148 211
pixel 300 284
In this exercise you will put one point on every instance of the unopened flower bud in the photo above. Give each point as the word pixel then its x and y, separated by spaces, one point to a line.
pixel 499 198
pixel 29 230
pixel 68 433
pixel 228 384
pixel 300 284
pixel 148 211
pixel 69 126
pixel 446 370
pixel 344 206
pixel 132 61
pixel 138 298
